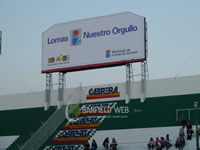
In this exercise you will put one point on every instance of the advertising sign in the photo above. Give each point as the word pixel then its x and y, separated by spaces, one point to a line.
pixel 104 92
pixel 91 43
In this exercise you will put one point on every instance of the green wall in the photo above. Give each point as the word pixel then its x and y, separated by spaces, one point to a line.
pixel 22 122
pixel 154 112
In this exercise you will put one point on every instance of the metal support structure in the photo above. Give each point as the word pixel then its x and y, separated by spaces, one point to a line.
pixel 48 90
pixel 144 68
pixel 129 78
pixel 81 94
pixel 61 85
pixel 144 77
pixel 196 121
pixel 188 110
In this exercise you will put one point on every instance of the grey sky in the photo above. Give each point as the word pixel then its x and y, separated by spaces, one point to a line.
pixel 173 39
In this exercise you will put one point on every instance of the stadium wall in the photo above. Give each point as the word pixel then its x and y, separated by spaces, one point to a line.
pixel 154 88
pixel 23 114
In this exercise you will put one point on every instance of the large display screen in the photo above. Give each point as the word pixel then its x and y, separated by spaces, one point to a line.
pixel 91 43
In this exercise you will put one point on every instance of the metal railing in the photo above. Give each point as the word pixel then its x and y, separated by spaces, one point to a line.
pixel 188 110
pixel 45 131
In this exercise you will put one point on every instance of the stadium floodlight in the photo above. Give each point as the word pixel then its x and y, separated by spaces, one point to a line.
pixel 0 41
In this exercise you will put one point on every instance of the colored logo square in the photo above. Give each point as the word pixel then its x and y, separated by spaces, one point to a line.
pixel 76 37
pixel 108 53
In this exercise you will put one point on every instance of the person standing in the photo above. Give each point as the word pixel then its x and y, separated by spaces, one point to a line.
pixel 189 131
pixel 87 146
pixel 113 145
pixel 106 143
pixel 183 121
pixel 181 132
pixel 94 145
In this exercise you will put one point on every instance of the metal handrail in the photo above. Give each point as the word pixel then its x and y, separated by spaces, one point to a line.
pixel 45 131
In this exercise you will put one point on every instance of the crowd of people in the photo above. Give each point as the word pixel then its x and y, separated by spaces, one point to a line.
pixel 180 142
pixel 159 144
pixel 189 129
pixel 93 145
pixel 106 145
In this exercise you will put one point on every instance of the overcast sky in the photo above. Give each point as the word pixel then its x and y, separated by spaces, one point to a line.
pixel 173 39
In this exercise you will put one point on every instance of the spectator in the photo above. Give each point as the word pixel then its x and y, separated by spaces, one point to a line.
pixel 93 145
pixel 151 143
pixel 157 142
pixel 199 131
pixel 87 146
pixel 182 143
pixel 158 148
pixel 162 142
pixel 113 145
pixel 168 144
pixel 183 121
pixel 181 132
pixel 189 131
pixel 177 144
pixel 106 143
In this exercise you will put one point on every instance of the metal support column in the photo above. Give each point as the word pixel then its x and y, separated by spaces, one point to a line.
pixel 144 68
pixel 144 77
pixel 129 78
pixel 61 84
pixel 48 90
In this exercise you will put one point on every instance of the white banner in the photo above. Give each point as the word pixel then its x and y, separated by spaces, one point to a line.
pixel 96 42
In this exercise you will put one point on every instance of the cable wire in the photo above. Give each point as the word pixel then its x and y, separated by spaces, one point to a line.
pixel 188 60
pixel 19 77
